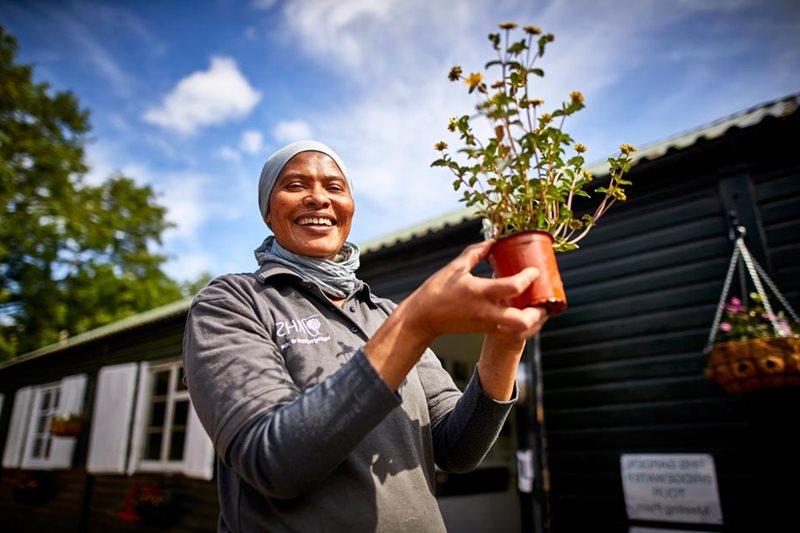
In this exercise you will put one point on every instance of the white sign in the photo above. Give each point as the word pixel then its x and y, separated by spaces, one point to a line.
pixel 671 488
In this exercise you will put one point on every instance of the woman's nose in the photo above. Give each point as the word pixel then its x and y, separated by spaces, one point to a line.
pixel 317 196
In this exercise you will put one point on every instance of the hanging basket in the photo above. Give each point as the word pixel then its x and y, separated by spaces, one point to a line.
pixel 752 364
pixel 769 362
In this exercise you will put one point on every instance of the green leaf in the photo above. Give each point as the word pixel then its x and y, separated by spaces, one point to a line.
pixel 537 71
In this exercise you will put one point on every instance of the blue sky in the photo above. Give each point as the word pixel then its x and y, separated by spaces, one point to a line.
pixel 191 97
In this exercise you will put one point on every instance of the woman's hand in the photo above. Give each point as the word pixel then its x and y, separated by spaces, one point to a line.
pixel 455 301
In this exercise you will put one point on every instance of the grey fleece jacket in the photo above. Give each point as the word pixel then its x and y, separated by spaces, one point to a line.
pixel 308 436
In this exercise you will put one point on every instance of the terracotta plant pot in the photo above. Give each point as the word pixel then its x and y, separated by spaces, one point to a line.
pixel 514 253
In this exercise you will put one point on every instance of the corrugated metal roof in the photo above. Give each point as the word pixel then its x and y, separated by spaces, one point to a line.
pixel 749 117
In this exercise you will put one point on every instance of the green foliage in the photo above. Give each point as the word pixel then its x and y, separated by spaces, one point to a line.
pixel 72 256
pixel 528 173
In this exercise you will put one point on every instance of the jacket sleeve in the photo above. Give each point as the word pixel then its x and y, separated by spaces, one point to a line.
pixel 280 440
pixel 464 426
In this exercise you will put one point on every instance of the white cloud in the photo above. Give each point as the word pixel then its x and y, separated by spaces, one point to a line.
pixel 291 130
pixel 229 154
pixel 184 195
pixel 205 98
pixel 252 142
pixel 187 266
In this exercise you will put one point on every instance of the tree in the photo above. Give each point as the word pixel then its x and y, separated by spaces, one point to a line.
pixel 73 256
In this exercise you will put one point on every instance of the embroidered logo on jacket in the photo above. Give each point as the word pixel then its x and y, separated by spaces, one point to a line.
pixel 309 326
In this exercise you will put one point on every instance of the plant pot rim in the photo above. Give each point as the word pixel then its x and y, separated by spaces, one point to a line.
pixel 526 232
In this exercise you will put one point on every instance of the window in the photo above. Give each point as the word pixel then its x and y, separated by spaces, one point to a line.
pixel 164 436
pixel 46 401
pixel 29 443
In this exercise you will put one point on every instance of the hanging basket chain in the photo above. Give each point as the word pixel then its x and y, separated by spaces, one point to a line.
pixel 756 272
pixel 778 294
pixel 726 286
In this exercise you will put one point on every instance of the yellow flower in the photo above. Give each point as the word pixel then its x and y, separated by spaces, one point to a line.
pixel 536 102
pixel 453 124
pixel 508 26
pixel 474 79
pixel 546 118
pixel 580 148
pixel 532 30
pixel 627 149
pixel 497 85
pixel 455 73
pixel 441 146
pixel 576 96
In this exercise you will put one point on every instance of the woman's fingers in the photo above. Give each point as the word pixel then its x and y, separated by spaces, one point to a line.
pixel 498 289
pixel 523 322
pixel 472 255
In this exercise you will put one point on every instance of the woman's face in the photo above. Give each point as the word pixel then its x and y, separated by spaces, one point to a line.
pixel 311 208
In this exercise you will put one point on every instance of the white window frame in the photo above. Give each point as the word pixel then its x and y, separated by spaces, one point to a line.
pixel 28 460
pixel 164 464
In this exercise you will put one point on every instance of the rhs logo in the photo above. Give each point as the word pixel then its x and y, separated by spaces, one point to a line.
pixel 309 325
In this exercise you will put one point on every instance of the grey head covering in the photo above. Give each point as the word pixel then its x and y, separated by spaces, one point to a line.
pixel 274 165
pixel 336 277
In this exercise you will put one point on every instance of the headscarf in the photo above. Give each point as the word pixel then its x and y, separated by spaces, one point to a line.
pixel 336 277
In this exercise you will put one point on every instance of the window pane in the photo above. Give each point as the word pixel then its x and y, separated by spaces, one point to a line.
pixel 47 443
pixel 157 414
pixel 41 425
pixel 181 413
pixel 45 400
pixel 176 445
pixel 161 383
pixel 153 448
pixel 37 447
pixel 181 377
pixel 56 397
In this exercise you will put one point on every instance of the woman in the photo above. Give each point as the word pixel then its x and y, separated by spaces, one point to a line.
pixel 326 407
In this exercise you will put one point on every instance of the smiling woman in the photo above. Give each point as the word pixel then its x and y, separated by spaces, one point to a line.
pixel 324 403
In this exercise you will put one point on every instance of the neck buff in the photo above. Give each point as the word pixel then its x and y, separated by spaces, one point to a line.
pixel 337 278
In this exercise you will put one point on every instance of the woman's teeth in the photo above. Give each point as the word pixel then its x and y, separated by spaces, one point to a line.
pixel 307 221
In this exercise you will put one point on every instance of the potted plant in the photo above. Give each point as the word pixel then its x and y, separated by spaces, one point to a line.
pixel 754 348
pixel 69 425
pixel 525 176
